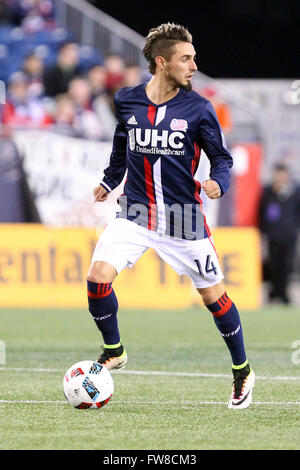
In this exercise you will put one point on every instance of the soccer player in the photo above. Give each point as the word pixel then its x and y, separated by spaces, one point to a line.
pixel 162 125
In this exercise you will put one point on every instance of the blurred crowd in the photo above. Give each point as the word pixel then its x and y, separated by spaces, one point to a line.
pixel 66 95
pixel 31 15
pixel 62 96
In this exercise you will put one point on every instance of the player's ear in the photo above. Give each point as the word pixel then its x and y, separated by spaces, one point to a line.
pixel 160 62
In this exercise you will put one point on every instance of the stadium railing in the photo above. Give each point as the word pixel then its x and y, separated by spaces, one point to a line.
pixel 94 27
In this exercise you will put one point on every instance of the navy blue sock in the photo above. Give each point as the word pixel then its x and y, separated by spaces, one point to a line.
pixel 227 320
pixel 103 306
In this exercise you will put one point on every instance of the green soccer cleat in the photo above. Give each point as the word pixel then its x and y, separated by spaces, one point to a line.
pixel 242 389
pixel 113 358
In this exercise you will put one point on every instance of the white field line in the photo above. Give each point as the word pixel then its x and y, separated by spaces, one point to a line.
pixel 174 403
pixel 152 372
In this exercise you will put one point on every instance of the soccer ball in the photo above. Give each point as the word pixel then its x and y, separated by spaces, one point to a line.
pixel 88 384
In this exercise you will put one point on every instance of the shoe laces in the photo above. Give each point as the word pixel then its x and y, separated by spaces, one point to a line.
pixel 238 386
pixel 108 353
pixel 105 355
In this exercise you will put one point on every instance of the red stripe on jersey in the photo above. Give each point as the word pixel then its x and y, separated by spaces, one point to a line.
pixel 197 191
pixel 151 113
pixel 194 167
pixel 196 158
pixel 208 232
pixel 197 196
pixel 152 222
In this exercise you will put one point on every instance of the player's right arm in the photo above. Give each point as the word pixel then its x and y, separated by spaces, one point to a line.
pixel 114 173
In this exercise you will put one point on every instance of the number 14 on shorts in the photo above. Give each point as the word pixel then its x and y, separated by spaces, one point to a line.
pixel 209 266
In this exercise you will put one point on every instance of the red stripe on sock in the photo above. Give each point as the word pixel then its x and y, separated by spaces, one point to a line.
pixel 225 304
pixel 101 291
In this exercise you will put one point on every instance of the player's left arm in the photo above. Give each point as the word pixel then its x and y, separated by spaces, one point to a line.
pixel 212 140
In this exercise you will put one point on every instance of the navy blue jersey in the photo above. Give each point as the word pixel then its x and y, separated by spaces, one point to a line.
pixel 160 147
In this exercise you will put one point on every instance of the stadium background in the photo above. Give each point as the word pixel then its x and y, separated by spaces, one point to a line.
pixel 56 138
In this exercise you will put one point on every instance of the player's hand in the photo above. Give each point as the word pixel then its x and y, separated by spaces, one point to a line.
pixel 211 189
pixel 100 194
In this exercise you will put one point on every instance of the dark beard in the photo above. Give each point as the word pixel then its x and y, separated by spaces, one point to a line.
pixel 187 87
pixel 177 84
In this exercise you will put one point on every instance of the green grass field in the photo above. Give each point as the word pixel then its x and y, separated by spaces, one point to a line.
pixel 173 394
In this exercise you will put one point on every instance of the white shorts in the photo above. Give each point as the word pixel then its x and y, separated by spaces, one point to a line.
pixel 123 242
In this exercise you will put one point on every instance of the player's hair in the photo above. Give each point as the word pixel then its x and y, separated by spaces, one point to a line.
pixel 280 167
pixel 161 40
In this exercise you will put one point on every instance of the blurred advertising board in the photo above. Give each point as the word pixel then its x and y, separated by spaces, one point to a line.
pixel 44 266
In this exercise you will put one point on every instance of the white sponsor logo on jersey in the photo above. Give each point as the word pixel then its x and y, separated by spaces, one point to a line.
pixel 142 138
